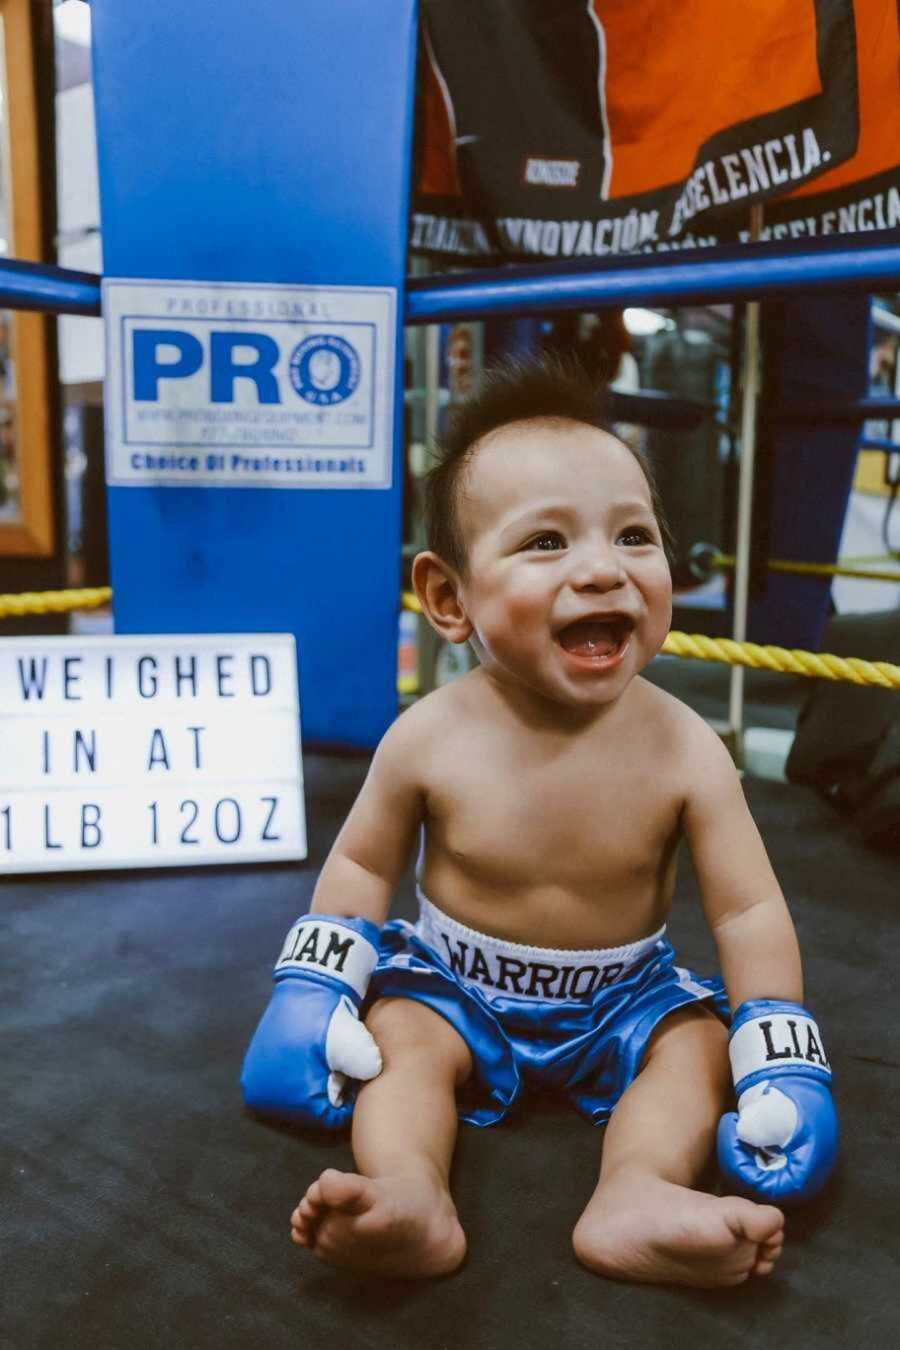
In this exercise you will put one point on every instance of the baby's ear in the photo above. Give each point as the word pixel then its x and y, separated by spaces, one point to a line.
pixel 438 591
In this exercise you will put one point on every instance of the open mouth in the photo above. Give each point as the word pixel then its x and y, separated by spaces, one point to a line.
pixel 596 642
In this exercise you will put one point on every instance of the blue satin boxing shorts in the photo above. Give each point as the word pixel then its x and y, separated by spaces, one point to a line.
pixel 577 1021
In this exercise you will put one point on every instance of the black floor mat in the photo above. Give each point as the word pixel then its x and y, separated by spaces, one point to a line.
pixel 142 1207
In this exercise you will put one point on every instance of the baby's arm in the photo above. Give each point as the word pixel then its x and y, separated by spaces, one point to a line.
pixel 782 1142
pixel 743 902
pixel 373 848
pixel 310 1040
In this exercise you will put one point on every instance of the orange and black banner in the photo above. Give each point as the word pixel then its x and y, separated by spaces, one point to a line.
pixel 562 129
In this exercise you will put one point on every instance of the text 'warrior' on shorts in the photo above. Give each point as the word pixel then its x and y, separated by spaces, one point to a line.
pixel 577 1021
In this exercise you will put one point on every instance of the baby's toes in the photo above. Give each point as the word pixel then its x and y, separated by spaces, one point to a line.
pixel 309 1209
pixel 303 1222
pixel 313 1197
pixel 767 1257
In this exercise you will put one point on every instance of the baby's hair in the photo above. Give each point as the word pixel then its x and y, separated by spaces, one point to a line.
pixel 514 389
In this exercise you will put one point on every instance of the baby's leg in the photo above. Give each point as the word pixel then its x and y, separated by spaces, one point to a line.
pixel 644 1220
pixel 395 1216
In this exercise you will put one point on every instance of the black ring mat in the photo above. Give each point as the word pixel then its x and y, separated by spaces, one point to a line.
pixel 142 1207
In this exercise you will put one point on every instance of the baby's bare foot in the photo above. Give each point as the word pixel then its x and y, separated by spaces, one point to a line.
pixel 390 1225
pixel 639 1227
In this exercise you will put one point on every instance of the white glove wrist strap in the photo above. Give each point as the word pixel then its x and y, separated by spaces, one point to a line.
pixel 775 1042
pixel 323 947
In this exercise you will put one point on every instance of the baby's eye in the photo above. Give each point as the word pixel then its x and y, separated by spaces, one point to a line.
pixel 548 542
pixel 636 535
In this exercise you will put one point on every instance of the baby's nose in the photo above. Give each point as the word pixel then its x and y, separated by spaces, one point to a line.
pixel 600 570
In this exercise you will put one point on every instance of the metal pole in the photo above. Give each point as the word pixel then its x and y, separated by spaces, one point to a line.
pixel 741 586
pixel 427 639
pixel 47 289
pixel 692 276
pixel 432 382
pixel 752 271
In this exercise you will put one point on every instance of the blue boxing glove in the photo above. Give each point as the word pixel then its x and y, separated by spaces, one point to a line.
pixel 310 1040
pixel 781 1145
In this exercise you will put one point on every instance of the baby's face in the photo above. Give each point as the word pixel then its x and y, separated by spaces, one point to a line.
pixel 568 588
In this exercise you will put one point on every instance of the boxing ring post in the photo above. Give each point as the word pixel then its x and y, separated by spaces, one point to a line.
pixel 265 210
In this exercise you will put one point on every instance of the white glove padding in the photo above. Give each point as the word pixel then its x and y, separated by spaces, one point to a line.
pixel 350 1050
pixel 767 1118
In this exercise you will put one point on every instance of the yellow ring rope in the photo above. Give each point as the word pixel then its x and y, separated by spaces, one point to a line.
pixel 694 646
pixel 869 558
pixel 721 561
pixel 816 665
pixel 53 602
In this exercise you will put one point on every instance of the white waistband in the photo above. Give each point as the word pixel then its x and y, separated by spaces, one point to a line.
pixel 544 973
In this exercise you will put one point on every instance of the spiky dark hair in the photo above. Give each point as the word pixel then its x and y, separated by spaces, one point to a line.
pixel 514 389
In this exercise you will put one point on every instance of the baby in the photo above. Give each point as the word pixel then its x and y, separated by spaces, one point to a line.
pixel 552 786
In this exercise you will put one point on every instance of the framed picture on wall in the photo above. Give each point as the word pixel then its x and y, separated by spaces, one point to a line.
pixel 26 504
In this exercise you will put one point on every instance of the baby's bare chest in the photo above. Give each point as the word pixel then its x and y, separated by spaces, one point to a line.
pixel 575 822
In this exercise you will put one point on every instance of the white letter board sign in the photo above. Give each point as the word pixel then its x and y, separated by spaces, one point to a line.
pixel 149 751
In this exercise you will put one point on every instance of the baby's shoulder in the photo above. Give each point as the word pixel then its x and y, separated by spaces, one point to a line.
pixel 435 711
pixel 420 732
pixel 674 726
